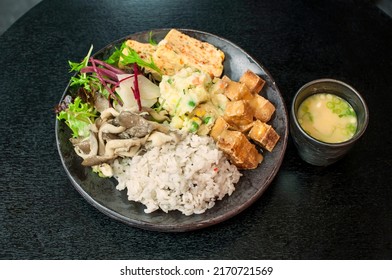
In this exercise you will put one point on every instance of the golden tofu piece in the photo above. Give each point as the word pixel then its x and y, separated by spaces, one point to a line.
pixel 219 126
pixel 236 91
pixel 252 81
pixel 263 109
pixel 239 150
pixel 243 128
pixel 238 113
pixel 264 134
pixel 178 50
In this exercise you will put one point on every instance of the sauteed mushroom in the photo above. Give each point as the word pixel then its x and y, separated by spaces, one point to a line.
pixel 88 147
pixel 107 128
pixel 116 134
pixel 137 126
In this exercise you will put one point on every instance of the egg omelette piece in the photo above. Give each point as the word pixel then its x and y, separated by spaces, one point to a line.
pixel 178 50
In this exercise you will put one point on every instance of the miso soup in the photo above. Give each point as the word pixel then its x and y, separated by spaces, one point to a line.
pixel 327 117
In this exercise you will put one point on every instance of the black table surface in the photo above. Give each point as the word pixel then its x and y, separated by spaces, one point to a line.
pixel 343 211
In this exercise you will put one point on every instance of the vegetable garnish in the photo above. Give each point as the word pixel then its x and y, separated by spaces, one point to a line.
pixel 76 67
pixel 131 58
pixel 88 82
pixel 97 72
pixel 136 91
pixel 77 115
pixel 96 77
pixel 151 40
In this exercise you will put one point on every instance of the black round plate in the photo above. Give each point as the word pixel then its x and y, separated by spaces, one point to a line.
pixel 102 193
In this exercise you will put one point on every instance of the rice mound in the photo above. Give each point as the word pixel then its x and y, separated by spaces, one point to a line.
pixel 188 176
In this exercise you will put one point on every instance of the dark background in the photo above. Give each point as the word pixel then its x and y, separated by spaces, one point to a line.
pixel 343 211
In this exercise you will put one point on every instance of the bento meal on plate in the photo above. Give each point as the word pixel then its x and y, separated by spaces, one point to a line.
pixel 164 120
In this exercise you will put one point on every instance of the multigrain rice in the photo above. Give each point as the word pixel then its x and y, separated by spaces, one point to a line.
pixel 188 176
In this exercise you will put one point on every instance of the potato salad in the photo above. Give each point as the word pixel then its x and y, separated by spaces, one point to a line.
pixel 193 99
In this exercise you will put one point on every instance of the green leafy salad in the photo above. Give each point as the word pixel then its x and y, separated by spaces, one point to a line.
pixel 100 77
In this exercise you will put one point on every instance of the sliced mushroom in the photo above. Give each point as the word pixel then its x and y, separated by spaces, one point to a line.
pixel 128 152
pixel 159 117
pixel 107 128
pixel 122 145
pixel 136 125
pixel 97 160
pixel 109 113
pixel 83 144
pixel 157 138
pixel 100 102
pixel 129 119
pixel 87 148
pixel 121 134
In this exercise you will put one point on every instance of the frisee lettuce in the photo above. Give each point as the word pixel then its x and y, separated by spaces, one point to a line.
pixel 76 66
pixel 82 79
pixel 89 83
pixel 78 116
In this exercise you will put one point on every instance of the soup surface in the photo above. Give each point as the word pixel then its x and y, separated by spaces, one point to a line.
pixel 327 118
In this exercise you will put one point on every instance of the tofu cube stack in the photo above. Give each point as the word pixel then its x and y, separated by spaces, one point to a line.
pixel 245 121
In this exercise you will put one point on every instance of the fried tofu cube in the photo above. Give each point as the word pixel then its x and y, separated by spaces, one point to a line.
pixel 263 109
pixel 219 126
pixel 264 134
pixel 252 81
pixel 236 91
pixel 239 150
pixel 244 128
pixel 238 113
